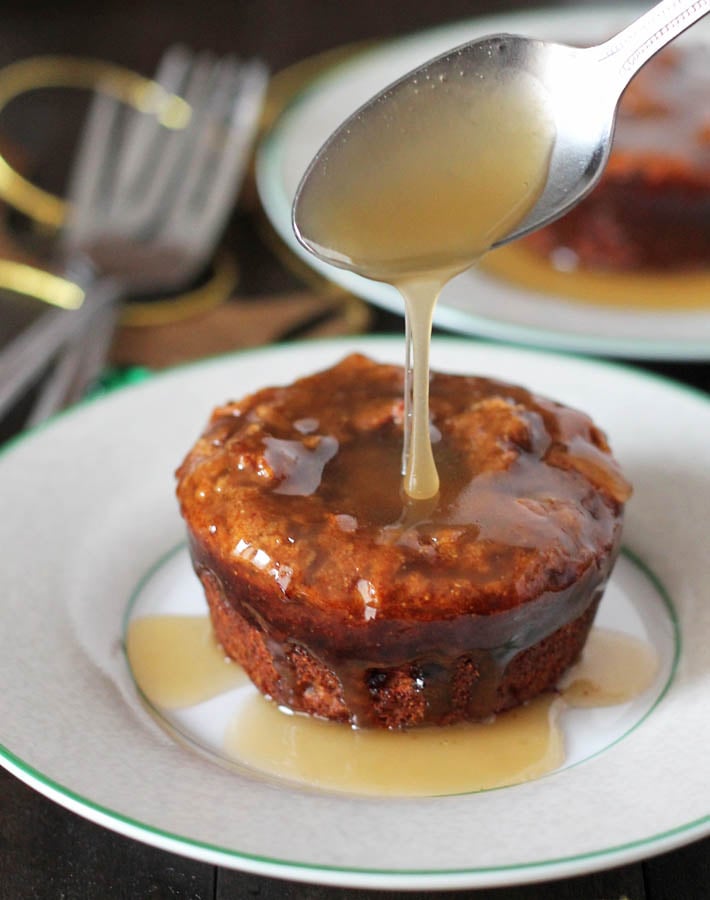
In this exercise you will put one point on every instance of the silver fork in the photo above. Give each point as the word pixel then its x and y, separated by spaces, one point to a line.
pixel 149 204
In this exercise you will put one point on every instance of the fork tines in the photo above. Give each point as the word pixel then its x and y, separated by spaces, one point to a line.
pixel 150 192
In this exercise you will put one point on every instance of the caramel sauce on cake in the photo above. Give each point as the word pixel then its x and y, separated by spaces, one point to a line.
pixel 342 597
pixel 385 547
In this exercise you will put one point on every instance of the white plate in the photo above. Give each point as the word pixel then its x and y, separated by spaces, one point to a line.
pixel 473 303
pixel 89 509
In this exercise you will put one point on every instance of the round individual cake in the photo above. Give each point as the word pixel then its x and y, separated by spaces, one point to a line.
pixel 343 599
pixel 651 209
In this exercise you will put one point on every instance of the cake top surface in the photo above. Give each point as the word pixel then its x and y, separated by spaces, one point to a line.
pixel 301 486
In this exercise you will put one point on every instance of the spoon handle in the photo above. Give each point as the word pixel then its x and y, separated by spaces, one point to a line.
pixel 635 45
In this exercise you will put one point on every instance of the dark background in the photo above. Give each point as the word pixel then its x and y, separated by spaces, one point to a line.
pixel 46 852
pixel 281 31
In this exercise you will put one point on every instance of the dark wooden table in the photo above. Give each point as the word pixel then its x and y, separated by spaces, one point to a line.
pixel 45 851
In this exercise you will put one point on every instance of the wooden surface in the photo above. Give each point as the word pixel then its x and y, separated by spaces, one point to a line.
pixel 45 851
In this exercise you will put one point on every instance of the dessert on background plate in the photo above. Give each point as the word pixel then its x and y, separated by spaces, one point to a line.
pixel 642 237
pixel 652 209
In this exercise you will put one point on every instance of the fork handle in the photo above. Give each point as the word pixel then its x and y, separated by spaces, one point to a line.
pixel 78 366
pixel 23 359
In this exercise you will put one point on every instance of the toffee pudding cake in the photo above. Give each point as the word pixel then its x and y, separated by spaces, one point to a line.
pixel 651 209
pixel 343 599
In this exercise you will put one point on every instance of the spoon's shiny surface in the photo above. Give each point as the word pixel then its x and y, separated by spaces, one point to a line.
pixel 583 87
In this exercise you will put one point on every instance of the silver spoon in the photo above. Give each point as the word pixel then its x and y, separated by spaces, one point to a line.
pixel 583 87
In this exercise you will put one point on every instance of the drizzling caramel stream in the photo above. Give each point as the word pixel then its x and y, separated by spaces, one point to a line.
pixel 418 190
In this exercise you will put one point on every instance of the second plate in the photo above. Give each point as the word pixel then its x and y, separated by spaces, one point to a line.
pixel 473 303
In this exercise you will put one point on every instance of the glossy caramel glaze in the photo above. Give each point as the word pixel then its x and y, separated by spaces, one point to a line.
pixel 332 583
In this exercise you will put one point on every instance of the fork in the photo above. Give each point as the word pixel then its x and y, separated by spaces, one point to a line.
pixel 148 205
